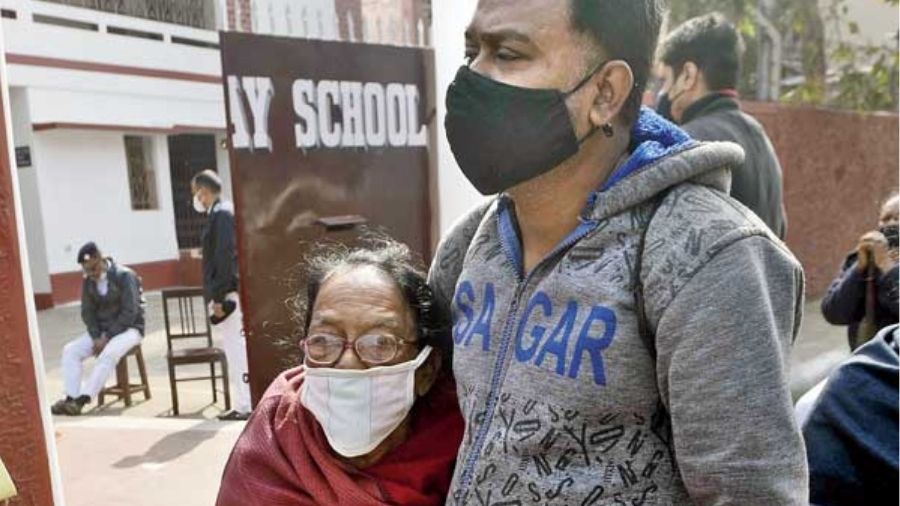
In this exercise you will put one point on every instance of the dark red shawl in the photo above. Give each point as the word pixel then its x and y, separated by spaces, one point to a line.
pixel 283 458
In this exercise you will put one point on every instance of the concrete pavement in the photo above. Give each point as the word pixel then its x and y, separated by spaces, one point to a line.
pixel 141 455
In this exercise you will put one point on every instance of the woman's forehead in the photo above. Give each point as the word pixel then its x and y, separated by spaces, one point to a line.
pixel 363 295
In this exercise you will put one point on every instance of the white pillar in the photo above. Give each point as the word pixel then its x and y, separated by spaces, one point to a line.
pixel 455 194
pixel 351 27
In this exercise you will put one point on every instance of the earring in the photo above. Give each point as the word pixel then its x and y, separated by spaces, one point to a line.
pixel 607 130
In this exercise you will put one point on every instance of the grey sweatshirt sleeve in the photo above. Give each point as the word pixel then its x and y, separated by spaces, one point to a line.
pixel 724 351
pixel 451 252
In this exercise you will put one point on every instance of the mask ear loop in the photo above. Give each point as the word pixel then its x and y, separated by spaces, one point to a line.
pixel 581 83
pixel 586 79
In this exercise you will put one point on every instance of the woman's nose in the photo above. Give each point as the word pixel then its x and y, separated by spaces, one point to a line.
pixel 349 360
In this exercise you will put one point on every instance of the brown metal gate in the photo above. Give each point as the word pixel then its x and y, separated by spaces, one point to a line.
pixel 293 178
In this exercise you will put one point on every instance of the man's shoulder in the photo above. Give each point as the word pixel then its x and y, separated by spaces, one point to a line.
pixel 463 230
pixel 123 272
pixel 223 208
pixel 451 251
pixel 692 225
pixel 720 125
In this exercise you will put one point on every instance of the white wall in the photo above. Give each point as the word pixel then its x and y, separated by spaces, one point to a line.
pixel 23 36
pixel 28 188
pixel 223 166
pixel 79 96
pixel 455 192
pixel 315 19
pixel 85 196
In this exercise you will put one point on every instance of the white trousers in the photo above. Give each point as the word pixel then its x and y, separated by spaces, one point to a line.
pixel 77 351
pixel 231 335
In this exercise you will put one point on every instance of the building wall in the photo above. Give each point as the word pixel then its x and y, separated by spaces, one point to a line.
pixel 28 187
pixel 838 166
pixel 456 195
pixel 223 166
pixel 85 196
pixel 78 92
pixel 315 19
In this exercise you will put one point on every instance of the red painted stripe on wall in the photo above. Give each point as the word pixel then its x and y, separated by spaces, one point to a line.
pixel 108 68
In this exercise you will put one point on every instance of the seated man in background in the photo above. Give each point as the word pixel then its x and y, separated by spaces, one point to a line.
pixel 874 262
pixel 371 417
pixel 701 61
pixel 851 432
pixel 113 311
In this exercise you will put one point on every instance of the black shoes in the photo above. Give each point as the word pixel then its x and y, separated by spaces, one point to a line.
pixel 70 406
pixel 233 416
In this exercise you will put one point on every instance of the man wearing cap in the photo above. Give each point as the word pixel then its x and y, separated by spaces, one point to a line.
pixel 220 285
pixel 112 309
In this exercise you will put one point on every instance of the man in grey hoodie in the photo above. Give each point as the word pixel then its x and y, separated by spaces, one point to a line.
pixel 622 327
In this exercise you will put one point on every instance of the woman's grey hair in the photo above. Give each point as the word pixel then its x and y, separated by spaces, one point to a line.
pixel 397 261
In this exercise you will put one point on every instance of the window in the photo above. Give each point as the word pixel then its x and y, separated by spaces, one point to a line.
pixel 141 176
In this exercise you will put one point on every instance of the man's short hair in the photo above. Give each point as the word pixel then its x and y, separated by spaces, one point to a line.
pixel 208 179
pixel 88 252
pixel 626 30
pixel 712 43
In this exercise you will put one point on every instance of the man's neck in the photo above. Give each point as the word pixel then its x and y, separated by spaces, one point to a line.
pixel 548 207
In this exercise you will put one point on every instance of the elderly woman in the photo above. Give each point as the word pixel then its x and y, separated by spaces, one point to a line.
pixel 371 417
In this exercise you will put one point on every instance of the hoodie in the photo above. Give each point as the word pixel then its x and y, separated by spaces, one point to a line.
pixel 565 404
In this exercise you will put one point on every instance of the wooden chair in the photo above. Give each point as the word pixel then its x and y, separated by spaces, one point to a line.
pixel 124 387
pixel 187 321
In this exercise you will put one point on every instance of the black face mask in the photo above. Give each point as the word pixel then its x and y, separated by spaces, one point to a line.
pixel 664 107
pixel 503 135
pixel 892 233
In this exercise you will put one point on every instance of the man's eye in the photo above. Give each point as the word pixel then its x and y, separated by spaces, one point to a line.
pixel 507 55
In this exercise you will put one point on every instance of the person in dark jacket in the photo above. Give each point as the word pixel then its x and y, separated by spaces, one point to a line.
pixel 845 302
pixel 700 66
pixel 112 309
pixel 851 432
pixel 220 285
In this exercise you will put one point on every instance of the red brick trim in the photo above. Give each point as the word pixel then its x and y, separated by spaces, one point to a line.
pixel 176 129
pixel 154 276
pixel 108 68
pixel 43 301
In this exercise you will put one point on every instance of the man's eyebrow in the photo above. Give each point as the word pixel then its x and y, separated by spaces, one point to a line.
pixel 496 36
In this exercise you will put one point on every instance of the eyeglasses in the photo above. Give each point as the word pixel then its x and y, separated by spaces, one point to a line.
pixel 373 349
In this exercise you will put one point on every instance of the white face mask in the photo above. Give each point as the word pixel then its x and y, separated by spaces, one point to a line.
pixel 198 204
pixel 360 408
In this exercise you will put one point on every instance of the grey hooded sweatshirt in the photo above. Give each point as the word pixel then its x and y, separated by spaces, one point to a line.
pixel 564 402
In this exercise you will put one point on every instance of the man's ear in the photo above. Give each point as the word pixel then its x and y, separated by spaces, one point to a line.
pixel 428 373
pixel 613 83
pixel 691 77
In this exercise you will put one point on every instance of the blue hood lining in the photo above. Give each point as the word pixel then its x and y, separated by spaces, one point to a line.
pixel 652 138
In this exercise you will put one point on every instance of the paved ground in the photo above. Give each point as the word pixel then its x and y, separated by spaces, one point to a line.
pixel 141 455
pixel 138 456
